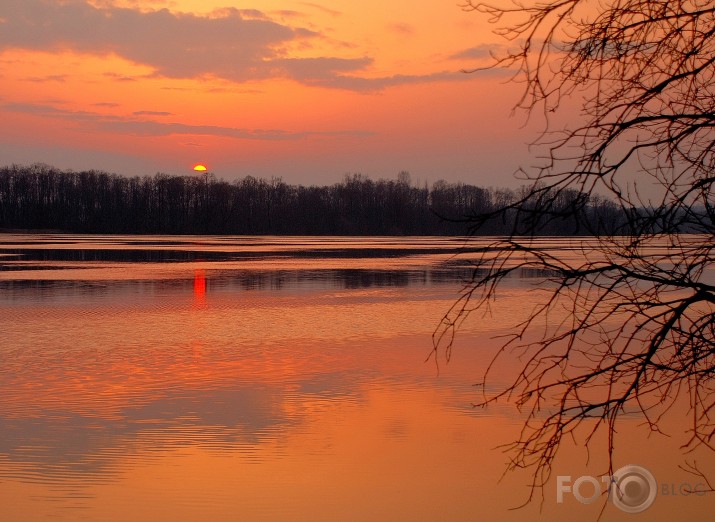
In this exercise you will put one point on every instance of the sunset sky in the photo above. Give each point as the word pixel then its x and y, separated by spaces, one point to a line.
pixel 306 91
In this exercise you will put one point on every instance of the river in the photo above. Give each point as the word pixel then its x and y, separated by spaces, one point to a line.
pixel 264 378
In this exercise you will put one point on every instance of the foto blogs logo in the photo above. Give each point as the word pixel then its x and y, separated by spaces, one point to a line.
pixel 631 489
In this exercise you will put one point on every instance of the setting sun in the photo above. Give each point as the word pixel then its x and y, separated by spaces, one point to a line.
pixel 200 167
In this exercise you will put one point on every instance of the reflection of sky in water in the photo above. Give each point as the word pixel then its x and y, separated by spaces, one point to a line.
pixel 102 371
pixel 54 445
pixel 306 361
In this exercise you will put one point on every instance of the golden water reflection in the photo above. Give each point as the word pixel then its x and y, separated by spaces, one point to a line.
pixel 222 392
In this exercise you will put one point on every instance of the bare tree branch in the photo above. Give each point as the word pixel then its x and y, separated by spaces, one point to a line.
pixel 628 321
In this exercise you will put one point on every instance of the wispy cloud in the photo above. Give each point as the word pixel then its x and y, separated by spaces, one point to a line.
pixel 401 28
pixel 119 77
pixel 322 8
pixel 477 52
pixel 44 79
pixel 375 84
pixel 152 113
pixel 146 127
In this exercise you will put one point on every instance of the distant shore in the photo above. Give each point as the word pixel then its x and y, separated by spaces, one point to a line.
pixel 43 199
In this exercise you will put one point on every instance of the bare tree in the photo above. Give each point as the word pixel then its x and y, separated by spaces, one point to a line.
pixel 626 89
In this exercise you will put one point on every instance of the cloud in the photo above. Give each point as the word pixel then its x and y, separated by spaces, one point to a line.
pixel 288 13
pixel 144 127
pixel 355 83
pixel 238 45
pixel 132 3
pixel 232 44
pixel 477 52
pixel 152 113
pixel 322 8
pixel 484 61
pixel 44 79
pixel 401 28
pixel 119 77
pixel 306 70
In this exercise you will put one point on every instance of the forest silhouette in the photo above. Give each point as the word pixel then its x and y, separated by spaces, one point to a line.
pixel 41 197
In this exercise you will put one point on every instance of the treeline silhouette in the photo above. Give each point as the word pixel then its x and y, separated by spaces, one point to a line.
pixel 41 197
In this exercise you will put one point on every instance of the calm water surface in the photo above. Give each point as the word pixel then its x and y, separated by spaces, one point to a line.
pixel 229 378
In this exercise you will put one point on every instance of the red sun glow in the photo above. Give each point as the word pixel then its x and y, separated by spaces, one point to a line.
pixel 200 167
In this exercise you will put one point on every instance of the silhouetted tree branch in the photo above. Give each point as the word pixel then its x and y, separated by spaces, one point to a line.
pixel 627 92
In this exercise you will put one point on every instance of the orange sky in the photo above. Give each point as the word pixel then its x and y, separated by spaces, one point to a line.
pixel 306 91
